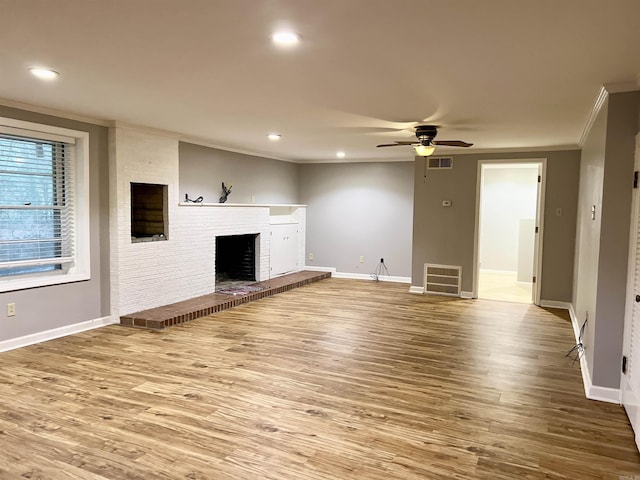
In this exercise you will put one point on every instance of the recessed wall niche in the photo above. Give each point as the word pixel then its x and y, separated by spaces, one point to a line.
pixel 148 212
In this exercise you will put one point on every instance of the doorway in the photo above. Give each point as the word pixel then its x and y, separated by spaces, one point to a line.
pixel 508 230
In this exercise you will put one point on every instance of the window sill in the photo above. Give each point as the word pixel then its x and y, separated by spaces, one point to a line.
pixel 12 284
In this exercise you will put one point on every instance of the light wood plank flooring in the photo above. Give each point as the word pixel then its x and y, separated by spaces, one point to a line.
pixel 341 379
pixel 503 286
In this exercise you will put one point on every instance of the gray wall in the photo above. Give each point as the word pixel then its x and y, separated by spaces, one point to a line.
pixel 588 230
pixel 602 245
pixel 359 209
pixel 45 308
pixel 203 169
pixel 446 235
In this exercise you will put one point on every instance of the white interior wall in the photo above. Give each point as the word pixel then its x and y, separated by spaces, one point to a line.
pixel 508 200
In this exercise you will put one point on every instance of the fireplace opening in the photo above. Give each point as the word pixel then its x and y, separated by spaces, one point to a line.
pixel 235 260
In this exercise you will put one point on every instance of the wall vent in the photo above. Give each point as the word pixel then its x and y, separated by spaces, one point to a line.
pixel 442 279
pixel 439 162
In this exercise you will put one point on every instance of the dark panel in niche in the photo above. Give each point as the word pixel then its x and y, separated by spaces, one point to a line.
pixel 148 212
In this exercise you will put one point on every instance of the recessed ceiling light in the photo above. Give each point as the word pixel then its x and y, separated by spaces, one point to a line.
pixel 274 137
pixel 341 154
pixel 285 38
pixel 44 73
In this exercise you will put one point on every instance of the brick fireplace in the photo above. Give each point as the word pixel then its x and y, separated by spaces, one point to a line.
pixel 150 274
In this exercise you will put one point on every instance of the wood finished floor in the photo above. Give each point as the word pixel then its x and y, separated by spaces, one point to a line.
pixel 341 379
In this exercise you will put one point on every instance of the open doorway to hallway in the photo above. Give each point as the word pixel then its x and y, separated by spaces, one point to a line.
pixel 507 223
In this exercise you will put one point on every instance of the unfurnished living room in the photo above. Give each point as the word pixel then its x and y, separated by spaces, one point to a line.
pixel 329 239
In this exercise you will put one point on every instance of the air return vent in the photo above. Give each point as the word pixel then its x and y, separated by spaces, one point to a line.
pixel 442 279
pixel 439 162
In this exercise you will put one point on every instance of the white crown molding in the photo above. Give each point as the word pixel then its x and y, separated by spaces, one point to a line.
pixel 623 87
pixel 144 129
pixel 483 151
pixel 595 110
pixel 613 88
pixel 206 143
pixel 410 158
pixel 54 112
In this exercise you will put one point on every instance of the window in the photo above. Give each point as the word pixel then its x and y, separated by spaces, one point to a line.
pixel 43 205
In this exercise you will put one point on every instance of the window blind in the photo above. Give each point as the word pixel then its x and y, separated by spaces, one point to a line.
pixel 36 205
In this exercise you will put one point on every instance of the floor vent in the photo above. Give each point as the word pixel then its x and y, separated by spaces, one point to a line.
pixel 442 279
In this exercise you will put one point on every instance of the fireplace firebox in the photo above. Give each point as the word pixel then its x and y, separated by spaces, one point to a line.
pixel 236 259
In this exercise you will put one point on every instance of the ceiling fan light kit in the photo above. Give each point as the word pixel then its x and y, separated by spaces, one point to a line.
pixel 426 145
pixel 424 150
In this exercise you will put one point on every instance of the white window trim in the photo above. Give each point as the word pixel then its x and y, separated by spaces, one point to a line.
pixel 81 269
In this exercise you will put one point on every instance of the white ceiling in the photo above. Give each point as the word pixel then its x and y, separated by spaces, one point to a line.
pixel 501 74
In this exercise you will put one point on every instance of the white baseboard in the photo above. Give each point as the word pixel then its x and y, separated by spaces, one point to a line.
pixel 467 295
pixel 371 277
pixel 391 278
pixel 33 338
pixel 555 304
pixel 352 276
pixel 574 322
pixel 358 276
pixel 320 269
pixel 592 392
pixel 604 394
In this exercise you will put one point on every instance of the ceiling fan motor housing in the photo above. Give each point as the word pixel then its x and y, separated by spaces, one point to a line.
pixel 426 133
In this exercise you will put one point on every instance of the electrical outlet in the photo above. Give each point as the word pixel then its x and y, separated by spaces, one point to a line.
pixel 11 309
pixel 361 258
pixel 311 256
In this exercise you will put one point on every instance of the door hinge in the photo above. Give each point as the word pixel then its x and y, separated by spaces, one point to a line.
pixel 635 179
pixel 534 280
pixel 539 178
pixel 624 364
pixel 536 229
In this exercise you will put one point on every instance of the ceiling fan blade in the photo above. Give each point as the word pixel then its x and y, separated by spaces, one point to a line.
pixel 452 143
pixel 395 144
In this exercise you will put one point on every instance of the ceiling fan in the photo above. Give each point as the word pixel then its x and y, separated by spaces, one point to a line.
pixel 426 144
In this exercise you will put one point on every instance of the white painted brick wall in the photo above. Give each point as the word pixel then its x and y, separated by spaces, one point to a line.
pixel 151 274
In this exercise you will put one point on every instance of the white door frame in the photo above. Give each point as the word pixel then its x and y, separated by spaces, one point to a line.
pixel 537 267
pixel 630 397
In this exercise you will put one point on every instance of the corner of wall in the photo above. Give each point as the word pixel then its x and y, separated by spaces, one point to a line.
pixel 592 392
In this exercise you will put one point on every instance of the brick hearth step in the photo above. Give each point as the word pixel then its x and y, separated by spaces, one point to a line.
pixel 187 310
